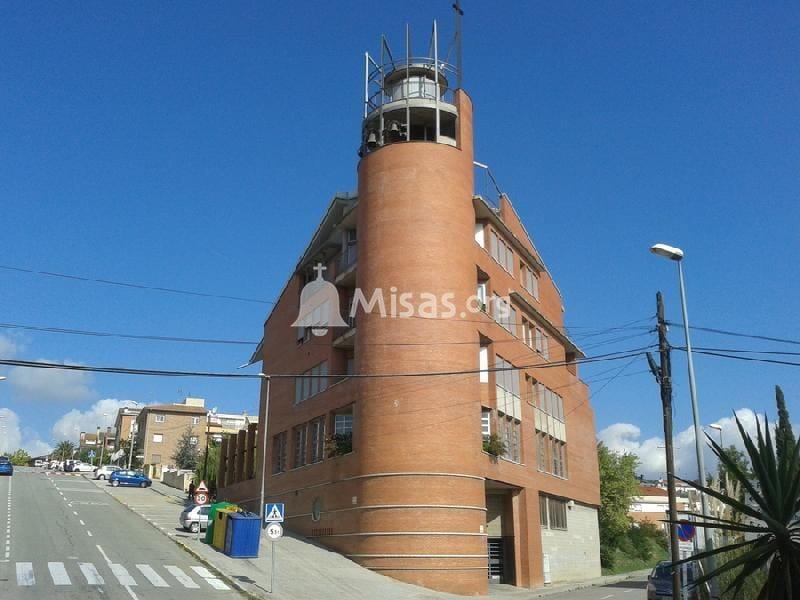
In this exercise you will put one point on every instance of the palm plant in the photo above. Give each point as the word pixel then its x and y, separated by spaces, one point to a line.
pixel 64 449
pixel 770 519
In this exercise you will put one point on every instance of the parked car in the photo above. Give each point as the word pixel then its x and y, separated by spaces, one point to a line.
pixel 68 465
pixel 194 517
pixel 129 477
pixel 82 467
pixel 104 471
pixel 38 463
pixel 659 582
pixel 6 468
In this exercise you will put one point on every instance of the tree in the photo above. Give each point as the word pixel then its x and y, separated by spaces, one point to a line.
pixel 618 485
pixel 19 457
pixel 771 521
pixel 726 480
pixel 64 450
pixel 207 470
pixel 784 436
pixel 185 456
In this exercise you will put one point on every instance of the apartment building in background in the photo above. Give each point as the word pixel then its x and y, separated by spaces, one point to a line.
pixel 464 451
pixel 159 427
pixel 123 424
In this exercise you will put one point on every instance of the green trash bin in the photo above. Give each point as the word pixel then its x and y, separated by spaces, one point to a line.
pixel 212 513
pixel 220 525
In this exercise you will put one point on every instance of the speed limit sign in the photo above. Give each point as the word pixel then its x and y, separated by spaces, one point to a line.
pixel 201 498
pixel 274 531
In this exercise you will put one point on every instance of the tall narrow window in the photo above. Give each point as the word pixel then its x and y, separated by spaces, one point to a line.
pixel 317 439
pixel 279 453
pixel 486 422
pixel 300 445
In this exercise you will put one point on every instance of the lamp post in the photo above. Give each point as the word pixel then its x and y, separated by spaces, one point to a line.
pixel 266 379
pixel 103 446
pixel 208 431
pixel 676 255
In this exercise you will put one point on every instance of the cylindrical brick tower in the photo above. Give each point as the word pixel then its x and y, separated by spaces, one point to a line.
pixel 421 500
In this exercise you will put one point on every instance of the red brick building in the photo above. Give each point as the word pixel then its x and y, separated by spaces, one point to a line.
pixel 393 471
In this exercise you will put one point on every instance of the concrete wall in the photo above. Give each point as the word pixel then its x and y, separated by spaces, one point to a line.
pixel 177 479
pixel 575 553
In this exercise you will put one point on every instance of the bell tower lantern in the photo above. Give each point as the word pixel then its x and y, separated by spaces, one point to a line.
pixel 408 98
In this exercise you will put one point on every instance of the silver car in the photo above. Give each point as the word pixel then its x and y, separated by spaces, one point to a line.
pixel 104 471
pixel 194 517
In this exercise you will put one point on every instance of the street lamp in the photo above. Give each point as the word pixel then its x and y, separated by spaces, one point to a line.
pixel 267 380
pixel 103 447
pixel 676 255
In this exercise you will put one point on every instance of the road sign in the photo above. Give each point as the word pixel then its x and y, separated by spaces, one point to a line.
pixel 274 513
pixel 274 531
pixel 686 532
pixel 201 498
pixel 91 454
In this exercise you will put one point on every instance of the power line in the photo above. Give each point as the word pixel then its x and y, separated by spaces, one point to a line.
pixel 772 361
pixel 170 373
pixel 745 335
pixel 158 338
pixel 134 285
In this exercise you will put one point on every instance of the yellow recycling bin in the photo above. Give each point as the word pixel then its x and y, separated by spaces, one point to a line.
pixel 221 525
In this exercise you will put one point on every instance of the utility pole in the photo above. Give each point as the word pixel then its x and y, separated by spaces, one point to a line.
pixel 663 375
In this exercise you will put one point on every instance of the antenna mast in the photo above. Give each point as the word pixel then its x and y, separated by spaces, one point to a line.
pixel 459 65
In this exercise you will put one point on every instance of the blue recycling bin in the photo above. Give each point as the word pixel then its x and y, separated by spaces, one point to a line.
pixel 242 535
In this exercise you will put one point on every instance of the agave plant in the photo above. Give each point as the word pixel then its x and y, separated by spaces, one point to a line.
pixel 770 516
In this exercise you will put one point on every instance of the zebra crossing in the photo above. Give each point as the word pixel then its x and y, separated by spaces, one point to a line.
pixel 86 573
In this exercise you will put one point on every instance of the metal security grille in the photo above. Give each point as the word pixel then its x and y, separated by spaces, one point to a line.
pixel 496 560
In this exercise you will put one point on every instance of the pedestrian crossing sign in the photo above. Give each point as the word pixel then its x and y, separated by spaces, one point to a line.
pixel 274 513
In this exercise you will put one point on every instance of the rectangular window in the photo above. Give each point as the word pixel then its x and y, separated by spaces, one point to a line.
pixel 279 453
pixel 505 314
pixel 483 364
pixel 195 420
pixel 343 422
pixel 300 445
pixel 507 388
pixel 158 438
pixel 557 513
pixel 311 382
pixel 541 441
pixel 193 440
pixel 501 252
pixel 155 459
pixel 543 511
pixel 479 237
pixel 486 422
pixel 317 439
pixel 510 428
pixel 160 418
pixel 529 280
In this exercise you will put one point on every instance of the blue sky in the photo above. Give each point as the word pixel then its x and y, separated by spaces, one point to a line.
pixel 195 146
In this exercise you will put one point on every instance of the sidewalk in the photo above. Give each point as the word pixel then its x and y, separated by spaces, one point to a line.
pixel 305 570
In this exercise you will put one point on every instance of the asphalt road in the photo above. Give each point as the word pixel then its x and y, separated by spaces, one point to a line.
pixel 631 589
pixel 61 536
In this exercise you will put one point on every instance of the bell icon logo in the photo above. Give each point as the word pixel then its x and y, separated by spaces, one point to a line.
pixel 319 305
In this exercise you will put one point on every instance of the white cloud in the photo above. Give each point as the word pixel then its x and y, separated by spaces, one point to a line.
pixel 101 414
pixel 37 385
pixel 8 349
pixel 625 437
pixel 12 437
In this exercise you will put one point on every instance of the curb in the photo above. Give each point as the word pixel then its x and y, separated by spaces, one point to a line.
pixel 186 548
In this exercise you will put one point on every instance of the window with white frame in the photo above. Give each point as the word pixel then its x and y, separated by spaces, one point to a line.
pixel 299 435
pixel 160 418
pixel 549 402
pixel 510 432
pixel 507 384
pixel 505 314
pixel 501 252
pixel 193 440
pixel 343 422
pixel 529 279
pixel 541 343
pixel 486 422
pixel 483 364
pixel 527 333
pixel 552 512
pixel 158 438
pixel 311 382
pixel 195 420
pixel 317 427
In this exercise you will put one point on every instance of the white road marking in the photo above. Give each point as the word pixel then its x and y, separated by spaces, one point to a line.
pixel 58 573
pixel 75 512
pixel 81 521
pixel 607 597
pixel 90 573
pixel 89 532
pixel 122 575
pixel 210 578
pixel 182 577
pixel 25 574
pixel 152 576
